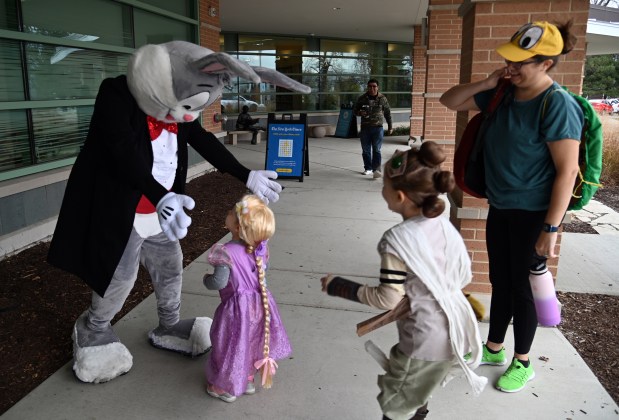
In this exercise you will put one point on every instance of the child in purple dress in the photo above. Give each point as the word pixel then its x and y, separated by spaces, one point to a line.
pixel 247 333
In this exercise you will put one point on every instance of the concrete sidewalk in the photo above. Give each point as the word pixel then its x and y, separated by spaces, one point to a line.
pixel 330 223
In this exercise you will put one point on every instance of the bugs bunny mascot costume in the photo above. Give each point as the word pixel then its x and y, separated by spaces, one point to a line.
pixel 124 202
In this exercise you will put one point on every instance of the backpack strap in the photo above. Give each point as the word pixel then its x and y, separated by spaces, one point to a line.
pixel 499 94
pixel 545 102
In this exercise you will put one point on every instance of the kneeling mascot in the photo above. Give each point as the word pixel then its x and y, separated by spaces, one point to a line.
pixel 124 202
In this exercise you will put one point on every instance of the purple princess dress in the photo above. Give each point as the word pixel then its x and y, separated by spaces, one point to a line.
pixel 237 333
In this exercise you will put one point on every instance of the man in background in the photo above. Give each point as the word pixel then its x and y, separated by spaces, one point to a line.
pixel 373 108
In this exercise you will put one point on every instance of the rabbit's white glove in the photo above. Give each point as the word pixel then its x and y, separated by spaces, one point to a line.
pixel 259 182
pixel 172 218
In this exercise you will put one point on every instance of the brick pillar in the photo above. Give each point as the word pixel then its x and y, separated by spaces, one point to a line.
pixel 419 82
pixel 442 72
pixel 486 25
pixel 210 28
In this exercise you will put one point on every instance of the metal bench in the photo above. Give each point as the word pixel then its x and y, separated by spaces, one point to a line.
pixel 232 136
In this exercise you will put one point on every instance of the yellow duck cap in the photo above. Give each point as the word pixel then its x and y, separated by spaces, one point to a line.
pixel 537 38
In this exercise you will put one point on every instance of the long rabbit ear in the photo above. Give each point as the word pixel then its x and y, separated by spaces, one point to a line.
pixel 222 63
pixel 276 78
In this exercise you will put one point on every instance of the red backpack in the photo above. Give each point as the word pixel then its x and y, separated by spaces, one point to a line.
pixel 469 170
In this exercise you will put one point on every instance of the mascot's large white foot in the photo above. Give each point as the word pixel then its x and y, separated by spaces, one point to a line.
pixel 189 336
pixel 98 356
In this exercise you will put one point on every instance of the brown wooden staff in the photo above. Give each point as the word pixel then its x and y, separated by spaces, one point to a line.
pixel 401 310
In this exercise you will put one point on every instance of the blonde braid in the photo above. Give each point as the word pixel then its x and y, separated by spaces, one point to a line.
pixel 256 226
pixel 267 317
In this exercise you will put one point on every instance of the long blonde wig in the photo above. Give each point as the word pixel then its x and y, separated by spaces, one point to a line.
pixel 256 226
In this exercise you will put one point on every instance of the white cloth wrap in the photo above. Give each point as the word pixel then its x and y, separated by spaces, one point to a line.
pixel 408 240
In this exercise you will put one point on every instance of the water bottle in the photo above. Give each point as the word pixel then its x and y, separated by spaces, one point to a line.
pixel 544 295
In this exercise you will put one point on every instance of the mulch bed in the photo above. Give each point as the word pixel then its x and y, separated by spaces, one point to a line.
pixel 39 303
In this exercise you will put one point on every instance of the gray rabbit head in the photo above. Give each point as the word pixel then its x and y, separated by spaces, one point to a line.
pixel 175 81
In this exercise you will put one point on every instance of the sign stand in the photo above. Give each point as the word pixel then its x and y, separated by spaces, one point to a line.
pixel 346 123
pixel 287 146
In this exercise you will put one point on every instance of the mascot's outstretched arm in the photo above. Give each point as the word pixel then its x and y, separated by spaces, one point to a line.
pixel 137 152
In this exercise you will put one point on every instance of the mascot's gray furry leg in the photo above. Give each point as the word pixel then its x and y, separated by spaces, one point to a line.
pixel 98 354
pixel 164 260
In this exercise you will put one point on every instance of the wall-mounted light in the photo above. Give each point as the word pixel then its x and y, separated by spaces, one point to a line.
pixel 212 12
pixel 220 118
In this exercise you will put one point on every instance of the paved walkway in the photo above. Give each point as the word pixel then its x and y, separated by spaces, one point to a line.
pixel 602 218
pixel 331 222
pixel 587 262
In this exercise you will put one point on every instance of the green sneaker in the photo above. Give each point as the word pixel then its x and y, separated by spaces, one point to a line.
pixel 494 359
pixel 515 377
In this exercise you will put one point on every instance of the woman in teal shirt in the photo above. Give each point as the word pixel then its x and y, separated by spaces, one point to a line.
pixel 531 160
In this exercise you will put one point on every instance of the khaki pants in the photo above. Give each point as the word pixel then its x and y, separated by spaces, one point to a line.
pixel 408 384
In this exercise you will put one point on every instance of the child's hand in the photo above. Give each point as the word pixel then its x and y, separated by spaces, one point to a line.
pixel 325 282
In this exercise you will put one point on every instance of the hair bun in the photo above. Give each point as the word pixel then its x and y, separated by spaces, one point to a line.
pixel 431 153
pixel 444 181
pixel 433 206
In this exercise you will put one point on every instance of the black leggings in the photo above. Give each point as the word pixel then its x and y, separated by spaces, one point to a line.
pixel 510 239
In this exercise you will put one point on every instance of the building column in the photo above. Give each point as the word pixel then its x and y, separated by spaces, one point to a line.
pixel 419 82
pixel 444 37
pixel 210 28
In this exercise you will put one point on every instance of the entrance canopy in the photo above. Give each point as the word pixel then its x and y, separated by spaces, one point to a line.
pixel 603 30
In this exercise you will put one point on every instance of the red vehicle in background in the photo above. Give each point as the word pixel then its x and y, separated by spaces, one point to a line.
pixel 602 106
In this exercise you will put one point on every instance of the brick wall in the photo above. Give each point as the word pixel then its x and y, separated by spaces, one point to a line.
pixel 210 28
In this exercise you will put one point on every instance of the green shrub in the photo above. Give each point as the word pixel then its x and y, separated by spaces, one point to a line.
pixel 403 130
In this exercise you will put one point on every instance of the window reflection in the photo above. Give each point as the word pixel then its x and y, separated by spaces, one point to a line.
pixel 69 75
pixel 59 132
pixel 155 29
pixel 11 80
pixel 336 70
pixel 14 147
pixel 109 21
pixel 182 7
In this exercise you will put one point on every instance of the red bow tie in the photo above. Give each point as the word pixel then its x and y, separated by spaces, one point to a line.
pixel 155 127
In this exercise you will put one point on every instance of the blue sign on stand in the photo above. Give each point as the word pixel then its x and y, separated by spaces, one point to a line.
pixel 287 150
pixel 346 123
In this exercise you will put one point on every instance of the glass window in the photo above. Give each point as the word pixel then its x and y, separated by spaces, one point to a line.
pixel 56 72
pixel 156 29
pixel 336 70
pixel 14 145
pixel 271 44
pixel 181 7
pixel 48 72
pixel 8 15
pixel 59 132
pixel 11 80
pixel 402 50
pixel 100 21
pixel 353 48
